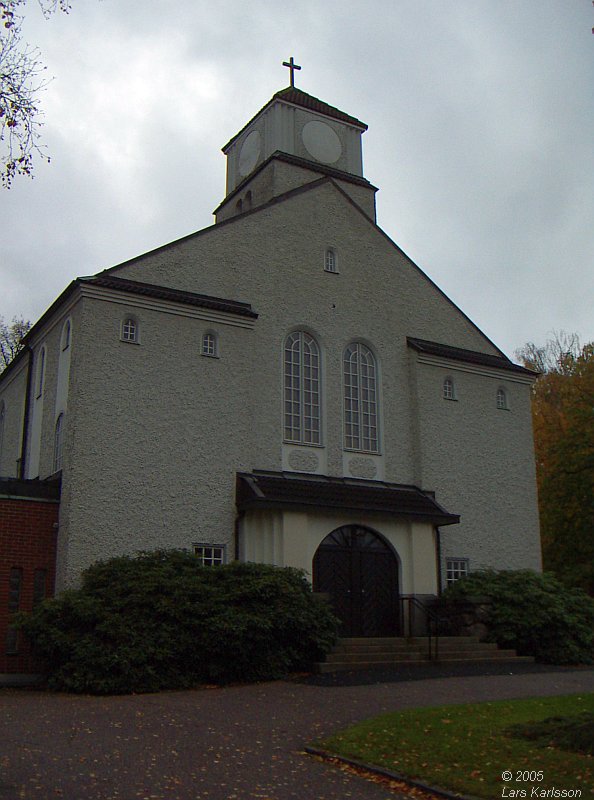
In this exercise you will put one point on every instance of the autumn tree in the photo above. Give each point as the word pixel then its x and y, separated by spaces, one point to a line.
pixel 11 338
pixel 21 82
pixel 563 419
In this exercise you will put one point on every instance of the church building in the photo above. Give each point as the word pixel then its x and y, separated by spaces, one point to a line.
pixel 285 386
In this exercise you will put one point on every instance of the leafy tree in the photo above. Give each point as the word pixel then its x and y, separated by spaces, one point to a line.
pixel 21 82
pixel 563 420
pixel 161 621
pixel 11 337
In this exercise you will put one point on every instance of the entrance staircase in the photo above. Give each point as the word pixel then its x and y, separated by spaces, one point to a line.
pixel 359 654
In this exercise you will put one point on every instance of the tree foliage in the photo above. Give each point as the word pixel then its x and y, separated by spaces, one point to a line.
pixel 534 614
pixel 162 621
pixel 11 337
pixel 21 82
pixel 563 420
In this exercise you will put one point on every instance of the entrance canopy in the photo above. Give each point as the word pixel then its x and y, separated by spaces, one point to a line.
pixel 298 491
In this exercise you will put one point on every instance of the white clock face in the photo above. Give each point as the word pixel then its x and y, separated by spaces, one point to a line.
pixel 249 153
pixel 321 142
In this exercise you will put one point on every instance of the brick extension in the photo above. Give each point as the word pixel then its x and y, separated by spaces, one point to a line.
pixel 28 531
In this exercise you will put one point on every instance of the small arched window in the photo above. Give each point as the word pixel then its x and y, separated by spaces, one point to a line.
pixel 41 372
pixel 209 345
pixel 360 399
pixel 449 391
pixel 239 206
pixel 501 398
pixel 330 263
pixel 302 421
pixel 59 443
pixel 248 200
pixel 66 333
pixel 129 330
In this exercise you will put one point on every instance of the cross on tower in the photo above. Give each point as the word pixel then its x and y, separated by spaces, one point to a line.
pixel 292 66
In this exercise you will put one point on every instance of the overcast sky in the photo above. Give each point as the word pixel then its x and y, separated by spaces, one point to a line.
pixel 481 139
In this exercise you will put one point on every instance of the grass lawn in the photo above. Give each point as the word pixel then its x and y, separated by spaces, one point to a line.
pixel 465 748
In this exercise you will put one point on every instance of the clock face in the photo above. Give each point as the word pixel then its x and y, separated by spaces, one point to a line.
pixel 249 153
pixel 321 142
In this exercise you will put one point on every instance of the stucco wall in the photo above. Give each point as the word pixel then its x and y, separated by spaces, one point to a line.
pixel 479 459
pixel 160 433
pixel 12 394
pixel 156 432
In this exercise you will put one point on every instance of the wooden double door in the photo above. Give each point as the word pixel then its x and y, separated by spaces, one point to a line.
pixel 358 570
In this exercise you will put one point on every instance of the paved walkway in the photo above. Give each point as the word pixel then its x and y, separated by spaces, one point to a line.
pixel 236 743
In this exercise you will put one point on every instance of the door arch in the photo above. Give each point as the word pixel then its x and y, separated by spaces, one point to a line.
pixel 358 569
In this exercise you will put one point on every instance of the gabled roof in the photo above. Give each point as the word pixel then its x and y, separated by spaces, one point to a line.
pixel 298 491
pixel 296 97
pixel 468 356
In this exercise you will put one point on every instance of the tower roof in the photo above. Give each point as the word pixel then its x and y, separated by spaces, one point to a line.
pixel 297 97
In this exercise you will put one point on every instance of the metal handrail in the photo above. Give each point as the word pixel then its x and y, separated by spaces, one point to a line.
pixel 431 621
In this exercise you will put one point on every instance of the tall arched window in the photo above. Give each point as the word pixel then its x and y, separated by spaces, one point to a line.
pixel 2 418
pixel 66 332
pixel 360 399
pixel 302 389
pixel 41 372
pixel 58 443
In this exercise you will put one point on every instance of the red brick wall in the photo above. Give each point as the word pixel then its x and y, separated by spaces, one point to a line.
pixel 28 531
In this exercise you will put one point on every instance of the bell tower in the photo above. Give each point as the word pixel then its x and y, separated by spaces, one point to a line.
pixel 294 139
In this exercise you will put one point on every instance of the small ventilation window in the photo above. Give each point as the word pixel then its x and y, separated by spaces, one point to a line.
pixel 209 345
pixel 330 261
pixel 501 399
pixel 449 390
pixel 130 330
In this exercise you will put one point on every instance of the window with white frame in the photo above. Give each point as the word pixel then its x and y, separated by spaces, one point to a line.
pixel 41 372
pixel 449 390
pixel 209 345
pixel 302 421
pixel 59 443
pixel 456 568
pixel 360 399
pixel 501 398
pixel 129 330
pixel 66 334
pixel 210 555
pixel 330 263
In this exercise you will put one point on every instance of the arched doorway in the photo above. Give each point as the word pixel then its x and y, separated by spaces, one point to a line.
pixel 359 571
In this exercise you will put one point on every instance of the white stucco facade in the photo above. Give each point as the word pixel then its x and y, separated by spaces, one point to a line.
pixel 156 431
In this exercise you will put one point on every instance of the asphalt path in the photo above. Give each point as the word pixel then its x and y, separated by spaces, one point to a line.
pixel 233 743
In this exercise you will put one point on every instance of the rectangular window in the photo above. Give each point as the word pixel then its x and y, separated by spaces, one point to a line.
pixel 210 555
pixel 456 568
pixel 15 584
pixel 39 586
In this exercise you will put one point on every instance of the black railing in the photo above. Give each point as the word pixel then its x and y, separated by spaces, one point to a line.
pixel 417 616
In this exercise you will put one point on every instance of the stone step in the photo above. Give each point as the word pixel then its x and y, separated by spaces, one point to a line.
pixel 377 653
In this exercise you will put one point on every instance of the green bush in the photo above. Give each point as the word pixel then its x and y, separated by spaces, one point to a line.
pixel 533 613
pixel 160 621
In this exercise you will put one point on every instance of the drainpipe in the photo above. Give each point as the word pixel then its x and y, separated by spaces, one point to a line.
pixel 438 554
pixel 28 392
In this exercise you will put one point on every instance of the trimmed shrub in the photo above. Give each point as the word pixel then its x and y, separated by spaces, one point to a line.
pixel 161 621
pixel 533 613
